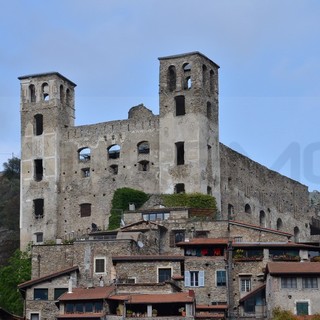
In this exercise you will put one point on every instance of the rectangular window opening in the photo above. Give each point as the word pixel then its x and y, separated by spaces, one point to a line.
pixel 180 106
pixel 38 170
pixel 180 153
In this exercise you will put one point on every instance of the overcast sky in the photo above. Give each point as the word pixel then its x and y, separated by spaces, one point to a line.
pixel 268 52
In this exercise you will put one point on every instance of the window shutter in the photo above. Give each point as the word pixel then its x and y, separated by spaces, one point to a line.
pixel 187 278
pixel 201 278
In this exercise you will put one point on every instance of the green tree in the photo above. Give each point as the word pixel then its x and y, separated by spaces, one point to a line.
pixel 17 271
pixel 12 168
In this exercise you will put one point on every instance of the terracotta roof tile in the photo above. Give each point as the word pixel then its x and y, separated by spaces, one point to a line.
pixel 278 268
pixel 211 307
pixel 87 293
pixel 148 258
pixel 47 277
pixel 81 315
pixel 274 244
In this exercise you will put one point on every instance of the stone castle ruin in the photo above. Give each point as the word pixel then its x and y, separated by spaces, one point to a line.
pixel 69 173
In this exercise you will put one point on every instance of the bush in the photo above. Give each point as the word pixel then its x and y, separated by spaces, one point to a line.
pixel 279 314
pixel 189 200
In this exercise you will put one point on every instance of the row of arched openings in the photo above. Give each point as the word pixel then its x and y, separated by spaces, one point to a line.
pixel 187 79
pixel 84 154
pixel 65 94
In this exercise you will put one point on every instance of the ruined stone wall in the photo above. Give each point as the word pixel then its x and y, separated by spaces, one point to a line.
pixel 244 181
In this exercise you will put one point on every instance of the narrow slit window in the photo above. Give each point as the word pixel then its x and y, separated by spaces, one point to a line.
pixel 38 170
pixel 45 92
pixel 61 94
pixel 180 153
pixel 38 124
pixel 38 208
pixel 180 106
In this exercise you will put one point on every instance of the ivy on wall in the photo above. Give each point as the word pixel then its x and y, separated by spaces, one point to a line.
pixel 120 202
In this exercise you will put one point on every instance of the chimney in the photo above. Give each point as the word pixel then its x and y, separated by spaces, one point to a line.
pixel 70 285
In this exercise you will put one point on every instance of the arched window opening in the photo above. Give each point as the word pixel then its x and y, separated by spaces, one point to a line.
pixel 61 94
pixel 172 78
pixel 45 92
pixel 143 147
pixel 230 211
pixel 209 111
pixel 211 81
pixel 247 208
pixel 279 224
pixel 144 165
pixel 32 93
pixel 68 97
pixel 204 76
pixel 38 208
pixel 84 154
pixel 262 219
pixel 187 67
pixel 179 188
pixel 180 105
pixel 187 83
pixel 114 151
pixel 38 170
pixel 113 169
pixel 296 232
pixel 180 153
pixel 85 210
pixel 38 124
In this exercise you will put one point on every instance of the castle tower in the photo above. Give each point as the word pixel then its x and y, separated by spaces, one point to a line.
pixel 47 109
pixel 189 127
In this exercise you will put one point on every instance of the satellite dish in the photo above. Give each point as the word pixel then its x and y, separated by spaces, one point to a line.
pixel 140 244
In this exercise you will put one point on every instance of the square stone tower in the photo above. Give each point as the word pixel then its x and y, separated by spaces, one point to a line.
pixel 47 109
pixel 189 125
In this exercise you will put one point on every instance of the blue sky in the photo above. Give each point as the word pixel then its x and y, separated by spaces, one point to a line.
pixel 268 52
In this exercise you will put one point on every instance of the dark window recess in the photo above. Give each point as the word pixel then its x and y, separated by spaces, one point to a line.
pixel 209 111
pixel 180 105
pixel 99 265
pixel 247 208
pixel 85 172
pixel 180 153
pixel 38 124
pixel 172 78
pixel 179 188
pixel 85 209
pixel 38 206
pixel 113 169
pixel 209 190
pixel 211 81
pixel 58 292
pixel 114 152
pixel 144 165
pixel 40 294
pixel 61 94
pixel 38 170
pixel 176 236
pixel 32 92
pixel 39 237
pixel 164 274
pixel 143 147
pixel 68 97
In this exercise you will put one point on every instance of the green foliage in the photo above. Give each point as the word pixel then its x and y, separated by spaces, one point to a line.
pixel 12 168
pixel 280 314
pixel 10 195
pixel 189 200
pixel 17 271
pixel 121 199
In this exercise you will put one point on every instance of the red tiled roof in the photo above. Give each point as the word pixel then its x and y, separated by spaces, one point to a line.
pixel 81 315
pixel 47 277
pixel 148 258
pixel 279 268
pixel 252 226
pixel 87 293
pixel 204 241
pixel 154 298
